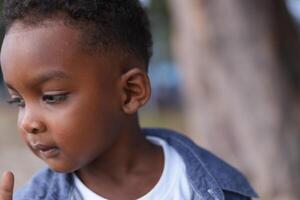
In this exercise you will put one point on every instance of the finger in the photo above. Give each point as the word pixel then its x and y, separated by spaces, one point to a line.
pixel 6 186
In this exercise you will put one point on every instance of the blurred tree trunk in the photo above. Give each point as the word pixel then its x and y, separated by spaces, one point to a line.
pixel 240 62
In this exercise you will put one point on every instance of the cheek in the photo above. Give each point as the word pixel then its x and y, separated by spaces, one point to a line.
pixel 86 116
pixel 88 112
pixel 81 132
pixel 73 125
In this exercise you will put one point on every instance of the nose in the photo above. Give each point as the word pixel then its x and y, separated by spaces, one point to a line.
pixel 29 122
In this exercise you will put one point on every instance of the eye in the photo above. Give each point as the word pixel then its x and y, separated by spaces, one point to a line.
pixel 17 101
pixel 55 98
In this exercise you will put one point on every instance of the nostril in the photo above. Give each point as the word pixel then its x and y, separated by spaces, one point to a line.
pixel 34 130
pixel 33 127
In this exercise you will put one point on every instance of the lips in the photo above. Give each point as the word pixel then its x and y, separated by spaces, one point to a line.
pixel 46 151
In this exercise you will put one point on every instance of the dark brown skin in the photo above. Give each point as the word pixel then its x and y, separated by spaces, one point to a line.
pixel 83 108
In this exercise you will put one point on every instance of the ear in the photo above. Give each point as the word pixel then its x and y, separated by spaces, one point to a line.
pixel 136 90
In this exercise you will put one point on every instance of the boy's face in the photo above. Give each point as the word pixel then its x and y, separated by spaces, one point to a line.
pixel 69 101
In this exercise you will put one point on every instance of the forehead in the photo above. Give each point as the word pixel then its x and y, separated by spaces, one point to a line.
pixel 27 51
pixel 44 43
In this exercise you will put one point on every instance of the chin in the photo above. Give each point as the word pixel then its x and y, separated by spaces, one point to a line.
pixel 62 167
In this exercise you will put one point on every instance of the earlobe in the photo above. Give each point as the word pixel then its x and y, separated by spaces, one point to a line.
pixel 136 90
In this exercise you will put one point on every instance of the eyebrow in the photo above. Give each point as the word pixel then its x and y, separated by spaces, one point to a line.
pixel 45 77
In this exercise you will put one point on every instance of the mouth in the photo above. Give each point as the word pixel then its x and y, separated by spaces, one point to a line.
pixel 46 151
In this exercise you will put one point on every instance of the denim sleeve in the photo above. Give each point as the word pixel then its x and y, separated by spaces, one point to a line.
pixel 235 196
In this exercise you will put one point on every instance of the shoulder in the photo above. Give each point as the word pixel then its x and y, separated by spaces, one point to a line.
pixel 45 184
pixel 207 173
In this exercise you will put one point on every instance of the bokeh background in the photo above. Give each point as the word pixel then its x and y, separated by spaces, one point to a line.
pixel 225 73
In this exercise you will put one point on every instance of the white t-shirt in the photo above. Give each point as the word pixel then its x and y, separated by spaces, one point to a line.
pixel 172 185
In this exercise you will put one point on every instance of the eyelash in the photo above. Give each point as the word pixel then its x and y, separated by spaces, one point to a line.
pixel 54 99
pixel 17 101
pixel 49 99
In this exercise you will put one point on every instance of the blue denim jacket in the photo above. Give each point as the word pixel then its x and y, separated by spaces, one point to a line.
pixel 210 178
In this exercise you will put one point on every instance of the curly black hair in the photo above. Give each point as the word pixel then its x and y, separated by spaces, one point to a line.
pixel 105 24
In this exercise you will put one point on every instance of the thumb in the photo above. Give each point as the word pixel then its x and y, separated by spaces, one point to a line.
pixel 6 186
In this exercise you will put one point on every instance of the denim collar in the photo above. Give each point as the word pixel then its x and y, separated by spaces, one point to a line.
pixel 209 175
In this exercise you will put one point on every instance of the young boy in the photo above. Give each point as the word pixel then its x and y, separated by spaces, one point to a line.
pixel 78 72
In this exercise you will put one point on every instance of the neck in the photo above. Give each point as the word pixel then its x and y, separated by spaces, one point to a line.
pixel 132 154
